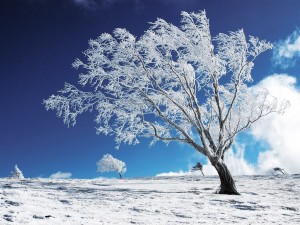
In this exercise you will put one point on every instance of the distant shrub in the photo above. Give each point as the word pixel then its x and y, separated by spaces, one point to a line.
pixel 197 167
pixel 109 163
pixel 281 170
pixel 17 174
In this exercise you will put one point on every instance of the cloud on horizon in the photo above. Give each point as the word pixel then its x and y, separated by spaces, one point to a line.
pixel 60 175
pixel 235 161
pixel 287 52
pixel 281 134
pixel 179 173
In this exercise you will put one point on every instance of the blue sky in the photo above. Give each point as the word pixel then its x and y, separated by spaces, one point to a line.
pixel 41 38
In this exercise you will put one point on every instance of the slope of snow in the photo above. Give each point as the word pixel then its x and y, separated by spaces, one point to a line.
pixel 161 200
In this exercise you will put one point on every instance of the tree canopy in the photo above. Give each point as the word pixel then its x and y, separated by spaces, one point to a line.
pixel 108 163
pixel 171 84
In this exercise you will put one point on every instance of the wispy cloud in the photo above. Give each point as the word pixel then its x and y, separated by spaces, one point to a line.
pixel 104 4
pixel 287 52
pixel 90 3
pixel 96 4
pixel 85 3
pixel 60 175
pixel 138 3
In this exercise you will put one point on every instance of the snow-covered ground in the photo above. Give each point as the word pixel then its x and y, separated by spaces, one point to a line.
pixel 160 200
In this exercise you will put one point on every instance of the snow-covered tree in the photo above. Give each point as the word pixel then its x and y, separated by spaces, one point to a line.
pixel 171 84
pixel 281 170
pixel 17 174
pixel 108 163
pixel 198 167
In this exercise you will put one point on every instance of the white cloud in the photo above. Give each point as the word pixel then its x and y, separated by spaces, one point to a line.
pixel 287 52
pixel 175 174
pixel 60 175
pixel 236 163
pixel 281 132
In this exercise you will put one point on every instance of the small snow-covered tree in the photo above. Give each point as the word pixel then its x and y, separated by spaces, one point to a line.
pixel 198 167
pixel 109 163
pixel 281 170
pixel 171 84
pixel 17 174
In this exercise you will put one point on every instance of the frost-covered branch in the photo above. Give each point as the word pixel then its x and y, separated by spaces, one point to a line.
pixel 171 84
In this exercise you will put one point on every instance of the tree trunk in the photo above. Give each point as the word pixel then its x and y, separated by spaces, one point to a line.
pixel 227 181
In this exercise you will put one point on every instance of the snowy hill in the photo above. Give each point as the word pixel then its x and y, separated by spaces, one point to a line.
pixel 160 200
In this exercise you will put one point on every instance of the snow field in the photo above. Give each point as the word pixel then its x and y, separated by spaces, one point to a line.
pixel 150 201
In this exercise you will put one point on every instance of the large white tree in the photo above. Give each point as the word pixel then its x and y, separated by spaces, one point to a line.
pixel 171 84
pixel 108 163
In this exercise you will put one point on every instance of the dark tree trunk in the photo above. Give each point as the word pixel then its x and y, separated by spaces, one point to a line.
pixel 120 175
pixel 227 181
pixel 202 173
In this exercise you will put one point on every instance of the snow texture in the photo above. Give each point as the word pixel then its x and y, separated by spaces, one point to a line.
pixel 160 200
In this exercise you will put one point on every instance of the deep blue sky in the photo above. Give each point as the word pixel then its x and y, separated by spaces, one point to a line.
pixel 39 39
